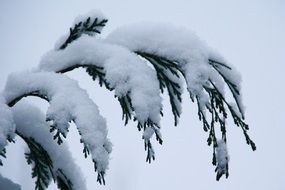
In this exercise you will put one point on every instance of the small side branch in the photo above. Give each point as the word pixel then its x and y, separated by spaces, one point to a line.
pixel 34 93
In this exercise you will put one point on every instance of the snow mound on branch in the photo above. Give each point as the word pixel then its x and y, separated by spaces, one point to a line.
pixel 68 102
pixel 148 132
pixel 7 126
pixel 30 123
pixel 177 44
pixel 91 14
pixel 222 158
pixel 125 72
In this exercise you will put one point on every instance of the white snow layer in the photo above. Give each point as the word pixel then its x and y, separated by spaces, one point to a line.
pixel 91 14
pixel 222 157
pixel 7 126
pixel 125 72
pixel 7 184
pixel 68 102
pixel 30 123
pixel 148 132
pixel 179 45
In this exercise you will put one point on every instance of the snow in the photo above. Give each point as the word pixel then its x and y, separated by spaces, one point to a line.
pixel 92 14
pixel 222 157
pixel 7 125
pixel 30 123
pixel 7 184
pixel 180 45
pixel 148 132
pixel 125 72
pixel 68 102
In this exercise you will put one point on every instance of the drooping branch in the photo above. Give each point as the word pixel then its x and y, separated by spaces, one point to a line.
pixel 237 119
pixel 63 109
pixel 233 87
pixel 33 93
pixel 49 160
pixel 171 56
pixel 168 77
pixel 42 164
pixel 215 107
pixel 118 69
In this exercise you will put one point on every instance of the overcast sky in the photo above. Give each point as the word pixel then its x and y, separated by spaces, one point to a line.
pixel 249 34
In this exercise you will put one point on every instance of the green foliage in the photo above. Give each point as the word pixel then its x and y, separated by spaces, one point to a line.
pixel 63 182
pixel 57 134
pixel 168 73
pixel 90 26
pixel 42 166
pixel 98 73
pixel 163 69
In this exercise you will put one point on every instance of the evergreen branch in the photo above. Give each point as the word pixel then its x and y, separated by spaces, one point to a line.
pixel 127 108
pixel 63 183
pixel 202 115
pixel 214 62
pixel 237 119
pixel 148 146
pixel 98 72
pixel 150 152
pixel 43 166
pixel 216 106
pixel 34 93
pixel 162 66
pixel 89 27
pixel 58 134
pixel 100 175
pixel 233 87
pixel 42 163
pixel 125 102
pixel 93 70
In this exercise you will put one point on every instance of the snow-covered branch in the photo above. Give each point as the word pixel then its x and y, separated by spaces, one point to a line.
pixel 50 160
pixel 205 72
pixel 68 102
pixel 222 159
pixel 134 82
pixel 137 62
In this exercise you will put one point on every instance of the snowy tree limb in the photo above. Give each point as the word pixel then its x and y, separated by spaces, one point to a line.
pixel 119 70
pixel 137 63
pixel 64 109
pixel 49 160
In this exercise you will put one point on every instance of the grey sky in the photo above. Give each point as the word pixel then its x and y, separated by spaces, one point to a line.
pixel 249 34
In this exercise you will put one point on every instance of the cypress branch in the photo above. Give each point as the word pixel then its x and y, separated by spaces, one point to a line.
pixel 162 66
pixel 42 163
pixel 89 27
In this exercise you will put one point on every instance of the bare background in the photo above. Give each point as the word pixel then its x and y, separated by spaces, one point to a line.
pixel 250 35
